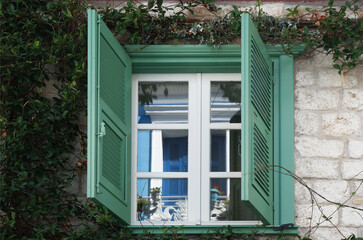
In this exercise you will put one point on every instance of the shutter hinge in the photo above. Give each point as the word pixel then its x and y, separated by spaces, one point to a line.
pixel 98 20
pixel 103 130
pixel 98 188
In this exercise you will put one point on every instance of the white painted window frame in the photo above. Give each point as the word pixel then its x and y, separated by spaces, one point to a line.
pixel 199 127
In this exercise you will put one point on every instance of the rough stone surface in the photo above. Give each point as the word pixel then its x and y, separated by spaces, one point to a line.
pixel 326 233
pixel 302 194
pixel 311 99
pixel 332 190
pixel 353 99
pixel 328 78
pixel 316 168
pixel 355 149
pixel 351 217
pixel 305 78
pixel 308 212
pixel 352 169
pixel 314 147
pixel 306 123
pixel 334 124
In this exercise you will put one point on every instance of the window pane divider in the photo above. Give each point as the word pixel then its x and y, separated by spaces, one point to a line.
pixel 225 174
pixel 162 175
pixel 225 126
pixel 163 126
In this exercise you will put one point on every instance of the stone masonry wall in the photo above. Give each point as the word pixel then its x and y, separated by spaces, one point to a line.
pixel 328 146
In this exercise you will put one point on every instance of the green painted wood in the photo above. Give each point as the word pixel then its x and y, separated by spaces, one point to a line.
pixel 210 229
pixel 257 125
pixel 286 139
pixel 109 120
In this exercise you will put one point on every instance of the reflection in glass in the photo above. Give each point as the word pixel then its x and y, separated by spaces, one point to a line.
pixel 225 101
pixel 163 102
pixel 225 145
pixel 162 151
pixel 162 199
pixel 225 201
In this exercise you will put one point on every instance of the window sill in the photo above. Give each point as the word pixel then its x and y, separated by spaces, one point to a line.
pixel 211 229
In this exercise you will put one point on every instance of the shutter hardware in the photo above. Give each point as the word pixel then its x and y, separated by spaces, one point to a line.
pixel 103 130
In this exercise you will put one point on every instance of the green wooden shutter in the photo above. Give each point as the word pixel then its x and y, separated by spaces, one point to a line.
pixel 109 120
pixel 257 126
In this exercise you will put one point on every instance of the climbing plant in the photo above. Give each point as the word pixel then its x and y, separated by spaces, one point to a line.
pixel 43 96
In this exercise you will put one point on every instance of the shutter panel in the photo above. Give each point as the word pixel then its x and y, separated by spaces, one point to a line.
pixel 256 108
pixel 109 120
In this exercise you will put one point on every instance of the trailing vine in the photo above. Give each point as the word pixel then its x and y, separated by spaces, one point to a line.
pixel 42 141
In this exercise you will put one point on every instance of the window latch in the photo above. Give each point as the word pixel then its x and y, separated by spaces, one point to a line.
pixel 103 129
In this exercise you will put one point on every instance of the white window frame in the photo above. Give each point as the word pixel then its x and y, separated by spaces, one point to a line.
pixel 198 127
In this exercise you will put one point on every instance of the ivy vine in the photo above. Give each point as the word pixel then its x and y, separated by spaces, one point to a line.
pixel 43 96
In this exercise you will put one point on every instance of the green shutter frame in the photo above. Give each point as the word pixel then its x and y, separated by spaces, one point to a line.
pixel 257 126
pixel 109 120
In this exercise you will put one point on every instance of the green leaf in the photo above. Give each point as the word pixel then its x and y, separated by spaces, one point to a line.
pixel 36 44
pixel 336 66
pixel 150 4
pixel 348 4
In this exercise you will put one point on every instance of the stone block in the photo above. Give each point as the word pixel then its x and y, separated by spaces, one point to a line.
pixel 305 78
pixel 342 124
pixel 311 99
pixel 314 147
pixel 306 213
pixel 333 190
pixel 355 149
pixel 302 194
pixel 353 99
pixel 351 218
pixel 324 233
pixel 315 168
pixel 306 123
pixel 352 169
pixel 331 78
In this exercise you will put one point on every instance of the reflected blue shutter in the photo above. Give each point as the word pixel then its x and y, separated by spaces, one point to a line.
pixel 109 120
pixel 256 108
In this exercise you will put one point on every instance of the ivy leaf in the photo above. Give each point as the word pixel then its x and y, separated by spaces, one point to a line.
pixel 150 3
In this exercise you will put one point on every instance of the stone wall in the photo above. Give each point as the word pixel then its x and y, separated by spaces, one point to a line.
pixel 328 146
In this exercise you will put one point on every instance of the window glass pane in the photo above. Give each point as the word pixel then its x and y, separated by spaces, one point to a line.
pixel 162 199
pixel 163 102
pixel 162 151
pixel 225 101
pixel 225 201
pixel 224 151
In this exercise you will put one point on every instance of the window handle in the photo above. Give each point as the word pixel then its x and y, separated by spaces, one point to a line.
pixel 103 129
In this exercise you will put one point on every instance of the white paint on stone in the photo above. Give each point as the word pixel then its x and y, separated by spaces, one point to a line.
pixel 317 168
pixel 313 213
pixel 305 78
pixel 325 233
pixel 351 217
pixel 306 123
pixel 334 124
pixel 352 169
pixel 312 99
pixel 355 149
pixel 314 147
pixel 329 78
pixel 302 194
pixel 332 190
pixel 353 99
